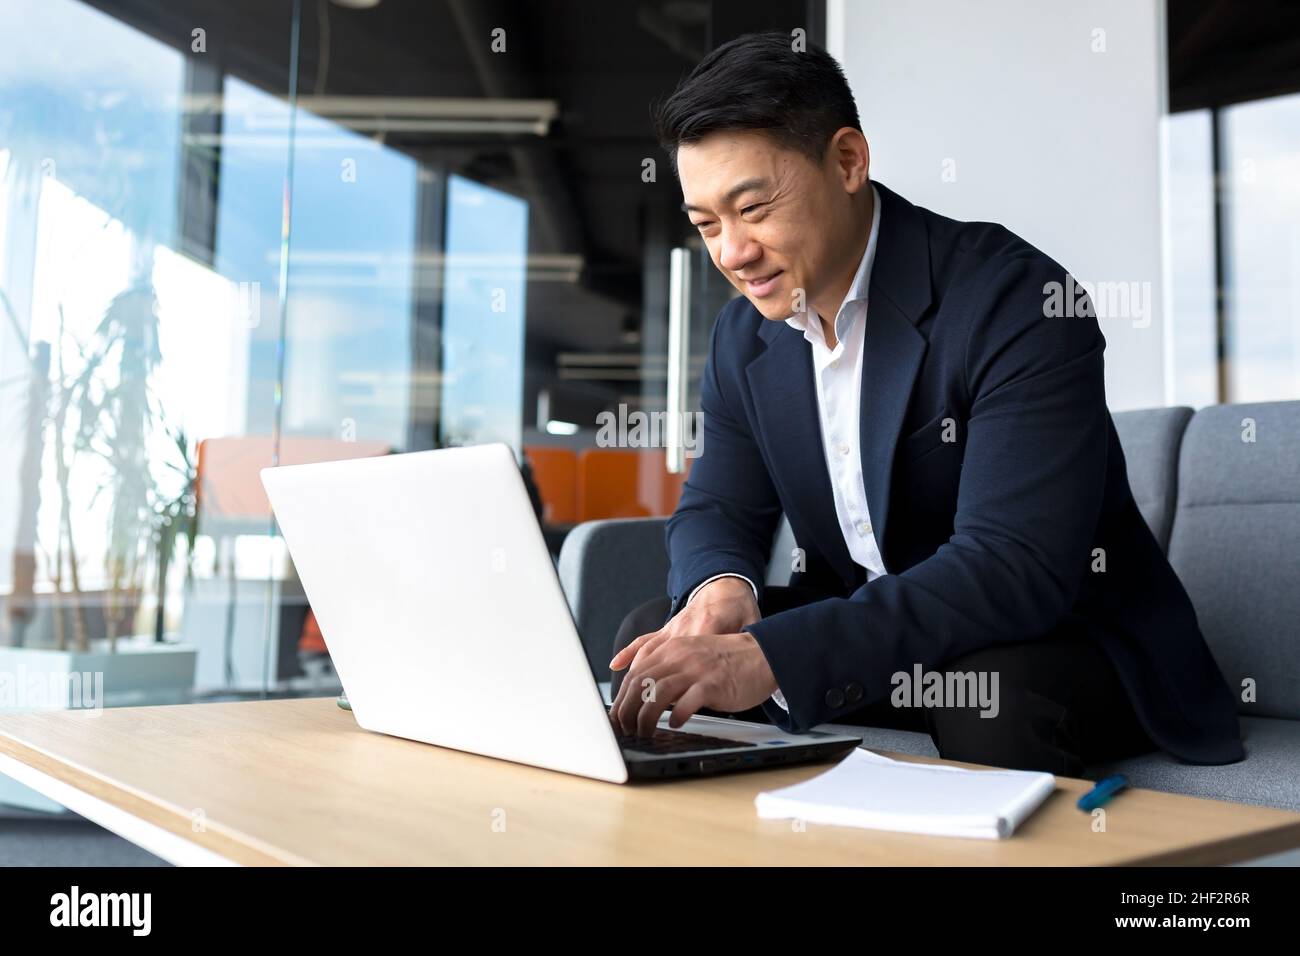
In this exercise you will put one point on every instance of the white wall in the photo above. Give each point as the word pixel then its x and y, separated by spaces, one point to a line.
pixel 1001 110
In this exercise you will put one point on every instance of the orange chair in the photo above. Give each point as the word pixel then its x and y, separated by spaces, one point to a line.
pixel 229 487
pixel 669 486
pixel 607 484
pixel 625 483
pixel 555 472
pixel 231 501
pixel 311 641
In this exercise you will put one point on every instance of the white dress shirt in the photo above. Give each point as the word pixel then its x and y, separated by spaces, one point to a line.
pixel 838 376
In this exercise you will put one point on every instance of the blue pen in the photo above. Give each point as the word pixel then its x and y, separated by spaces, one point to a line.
pixel 1103 791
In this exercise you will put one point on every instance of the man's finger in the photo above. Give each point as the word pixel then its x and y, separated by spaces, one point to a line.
pixel 625 656
pixel 618 663
pixel 665 690
pixel 618 699
pixel 644 640
pixel 688 705
pixel 647 666
pixel 627 703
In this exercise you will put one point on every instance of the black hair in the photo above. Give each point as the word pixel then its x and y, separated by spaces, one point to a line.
pixel 760 82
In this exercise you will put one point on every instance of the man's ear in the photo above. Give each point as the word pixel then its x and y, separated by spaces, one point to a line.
pixel 850 155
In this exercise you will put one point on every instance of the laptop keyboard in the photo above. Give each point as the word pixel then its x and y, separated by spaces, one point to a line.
pixel 675 742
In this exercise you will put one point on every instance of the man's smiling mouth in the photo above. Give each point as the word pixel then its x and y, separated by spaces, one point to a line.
pixel 763 285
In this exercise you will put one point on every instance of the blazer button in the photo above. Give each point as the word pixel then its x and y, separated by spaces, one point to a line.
pixel 853 692
pixel 835 698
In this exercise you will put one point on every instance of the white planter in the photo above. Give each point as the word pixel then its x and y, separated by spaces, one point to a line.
pixel 140 671
pixel 41 609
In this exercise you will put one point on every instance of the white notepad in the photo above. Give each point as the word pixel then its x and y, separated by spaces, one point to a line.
pixel 868 790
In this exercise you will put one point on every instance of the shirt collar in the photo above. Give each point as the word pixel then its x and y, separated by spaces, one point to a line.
pixel 857 290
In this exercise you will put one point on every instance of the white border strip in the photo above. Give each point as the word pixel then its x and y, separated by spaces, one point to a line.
pixel 148 836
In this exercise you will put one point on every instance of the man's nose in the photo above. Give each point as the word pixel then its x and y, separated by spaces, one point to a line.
pixel 738 250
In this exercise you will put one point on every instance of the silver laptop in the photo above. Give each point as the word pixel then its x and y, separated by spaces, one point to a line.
pixel 444 618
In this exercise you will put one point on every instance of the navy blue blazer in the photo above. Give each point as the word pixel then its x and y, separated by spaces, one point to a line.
pixel 988 538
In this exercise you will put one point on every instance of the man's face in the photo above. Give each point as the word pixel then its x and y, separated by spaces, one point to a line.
pixel 774 221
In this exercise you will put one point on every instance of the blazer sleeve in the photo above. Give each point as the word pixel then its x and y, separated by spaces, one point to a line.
pixel 729 510
pixel 1028 502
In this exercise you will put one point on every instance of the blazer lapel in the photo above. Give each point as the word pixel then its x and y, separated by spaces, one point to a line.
pixel 894 350
pixel 785 403
pixel 899 294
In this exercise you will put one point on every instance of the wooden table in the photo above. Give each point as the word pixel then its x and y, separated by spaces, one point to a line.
pixel 297 782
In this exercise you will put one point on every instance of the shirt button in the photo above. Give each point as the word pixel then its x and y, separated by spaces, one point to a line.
pixel 835 363
pixel 844 448
pixel 864 529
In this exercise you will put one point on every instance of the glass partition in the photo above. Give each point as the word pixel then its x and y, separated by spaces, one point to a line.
pixel 243 234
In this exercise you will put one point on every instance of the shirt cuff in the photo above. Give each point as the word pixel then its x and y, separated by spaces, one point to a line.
pixel 724 575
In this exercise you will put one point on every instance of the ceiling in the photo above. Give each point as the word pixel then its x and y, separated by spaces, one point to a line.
pixel 1227 51
pixel 603 63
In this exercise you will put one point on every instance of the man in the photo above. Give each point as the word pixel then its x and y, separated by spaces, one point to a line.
pixel 891 380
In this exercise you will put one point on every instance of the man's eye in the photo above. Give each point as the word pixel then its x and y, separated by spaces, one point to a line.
pixel 702 225
pixel 749 209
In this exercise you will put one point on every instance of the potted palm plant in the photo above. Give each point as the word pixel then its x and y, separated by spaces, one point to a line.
pixel 104 417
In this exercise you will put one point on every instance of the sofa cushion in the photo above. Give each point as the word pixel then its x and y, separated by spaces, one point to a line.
pixel 1151 439
pixel 899 741
pixel 1266 777
pixel 1235 546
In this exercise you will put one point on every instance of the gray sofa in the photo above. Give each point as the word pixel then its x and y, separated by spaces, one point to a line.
pixel 1225 508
